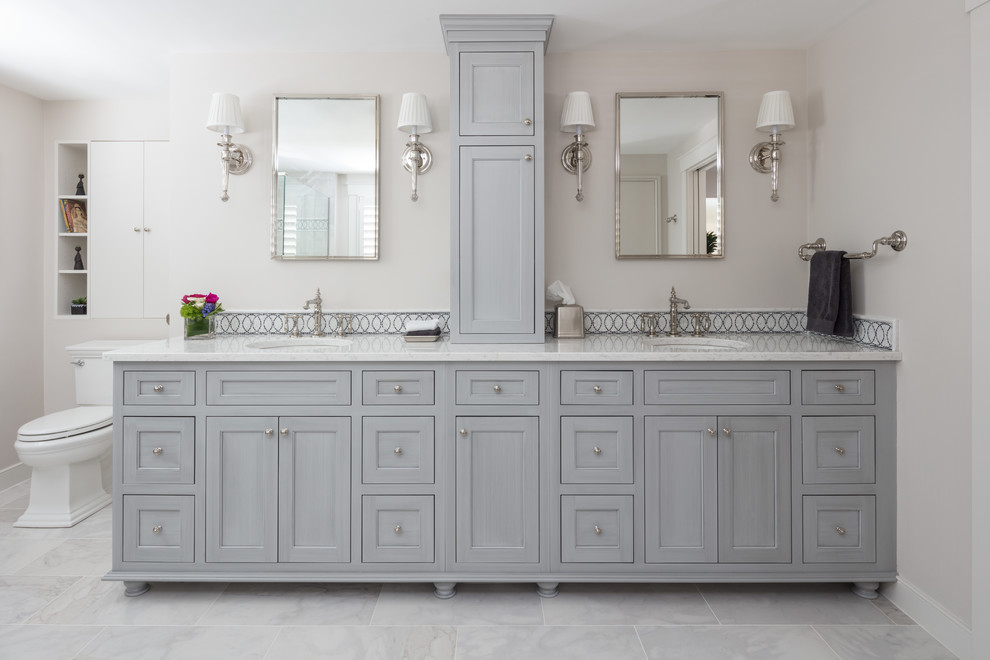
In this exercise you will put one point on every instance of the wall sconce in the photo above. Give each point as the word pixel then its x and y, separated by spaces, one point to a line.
pixel 225 118
pixel 414 118
pixel 576 117
pixel 776 114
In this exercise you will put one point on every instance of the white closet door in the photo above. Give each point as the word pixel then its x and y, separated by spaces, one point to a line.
pixel 157 183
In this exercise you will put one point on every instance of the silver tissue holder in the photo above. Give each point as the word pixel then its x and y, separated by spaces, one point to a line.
pixel 570 322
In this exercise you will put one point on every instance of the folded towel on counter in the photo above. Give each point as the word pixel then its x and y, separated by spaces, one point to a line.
pixel 417 325
pixel 435 332
pixel 830 294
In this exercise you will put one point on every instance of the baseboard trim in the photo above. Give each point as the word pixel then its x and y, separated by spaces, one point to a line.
pixel 944 626
pixel 14 475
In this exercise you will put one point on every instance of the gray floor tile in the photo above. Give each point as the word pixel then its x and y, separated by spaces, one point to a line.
pixel 878 642
pixel 733 642
pixel 627 604
pixel 890 610
pixel 15 554
pixel 22 597
pixel 364 643
pixel 548 643
pixel 474 604
pixel 790 604
pixel 187 642
pixel 45 642
pixel 316 604
pixel 73 557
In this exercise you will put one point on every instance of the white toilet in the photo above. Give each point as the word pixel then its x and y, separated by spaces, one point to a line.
pixel 65 449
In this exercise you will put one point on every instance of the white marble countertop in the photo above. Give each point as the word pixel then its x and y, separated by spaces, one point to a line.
pixel 759 347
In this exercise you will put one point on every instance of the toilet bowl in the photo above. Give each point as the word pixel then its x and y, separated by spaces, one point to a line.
pixel 66 450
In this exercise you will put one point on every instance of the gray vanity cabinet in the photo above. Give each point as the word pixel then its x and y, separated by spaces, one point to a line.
pixel 496 93
pixel 278 489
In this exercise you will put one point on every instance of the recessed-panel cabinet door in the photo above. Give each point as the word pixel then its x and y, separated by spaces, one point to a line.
pixel 496 94
pixel 498 500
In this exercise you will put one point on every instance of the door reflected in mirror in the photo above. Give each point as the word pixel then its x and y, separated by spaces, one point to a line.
pixel 325 179
pixel 668 175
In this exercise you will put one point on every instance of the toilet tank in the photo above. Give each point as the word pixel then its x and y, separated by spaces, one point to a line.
pixel 94 375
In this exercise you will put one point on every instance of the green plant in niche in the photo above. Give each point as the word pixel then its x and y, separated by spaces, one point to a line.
pixel 711 241
pixel 79 301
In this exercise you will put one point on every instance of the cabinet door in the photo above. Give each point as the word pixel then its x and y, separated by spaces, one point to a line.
pixel 157 174
pixel 241 489
pixel 496 93
pixel 498 501
pixel 754 492
pixel 314 476
pixel 681 489
pixel 497 260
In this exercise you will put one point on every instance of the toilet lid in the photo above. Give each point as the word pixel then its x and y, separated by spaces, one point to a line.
pixel 65 423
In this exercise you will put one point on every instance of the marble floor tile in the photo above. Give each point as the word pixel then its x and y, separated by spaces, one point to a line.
pixel 474 604
pixel 790 604
pixel 890 610
pixel 15 554
pixel 364 643
pixel 10 515
pixel 45 642
pixel 73 557
pixel 627 604
pixel 313 604
pixel 733 643
pixel 548 643
pixel 15 493
pixel 22 597
pixel 901 642
pixel 186 642
pixel 91 601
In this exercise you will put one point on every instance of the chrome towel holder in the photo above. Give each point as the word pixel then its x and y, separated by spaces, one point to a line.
pixel 897 241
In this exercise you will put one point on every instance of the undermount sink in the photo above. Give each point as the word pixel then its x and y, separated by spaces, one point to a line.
pixel 694 343
pixel 301 344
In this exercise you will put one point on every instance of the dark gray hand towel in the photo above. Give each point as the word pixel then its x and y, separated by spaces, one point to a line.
pixel 830 294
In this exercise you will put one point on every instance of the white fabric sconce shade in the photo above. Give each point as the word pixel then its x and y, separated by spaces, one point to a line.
pixel 576 118
pixel 414 119
pixel 225 118
pixel 775 111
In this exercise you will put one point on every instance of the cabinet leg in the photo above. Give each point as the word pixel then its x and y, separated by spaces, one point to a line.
pixel 135 588
pixel 444 590
pixel 546 589
pixel 866 589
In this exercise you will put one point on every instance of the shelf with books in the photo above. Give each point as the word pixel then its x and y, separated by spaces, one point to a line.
pixel 70 214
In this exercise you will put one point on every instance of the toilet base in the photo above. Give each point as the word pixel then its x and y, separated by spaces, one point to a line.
pixel 63 495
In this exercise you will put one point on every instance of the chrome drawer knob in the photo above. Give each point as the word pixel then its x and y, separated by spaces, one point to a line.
pixel 727 431
pixel 397 451
pixel 840 451
pixel 498 389
pixel 284 431
pixel 598 451
pixel 269 431
pixel 397 529
pixel 840 388
pixel 711 432
pixel 463 432
pixel 528 121
pixel 598 530
pixel 157 451
pixel 528 157
pixel 397 388
pixel 841 531
pixel 157 529
pixel 598 389
pixel 159 388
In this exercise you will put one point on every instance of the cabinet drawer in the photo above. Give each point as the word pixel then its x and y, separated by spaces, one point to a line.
pixel 158 528
pixel 840 528
pixel 397 388
pixel 159 450
pixel 397 528
pixel 397 450
pixel 509 388
pixel 717 387
pixel 596 387
pixel 160 388
pixel 596 528
pixel 838 450
pixel 829 387
pixel 596 450
pixel 278 388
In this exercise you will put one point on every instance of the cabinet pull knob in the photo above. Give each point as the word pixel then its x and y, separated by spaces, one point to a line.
pixel 397 529
pixel 840 530
pixel 157 529
pixel 269 431
pixel 840 451
pixel 598 389
pixel 157 451
pixel 498 389
pixel 137 229
pixel 147 228
pixel 727 431
pixel 528 157
pixel 397 451
pixel 598 451
pixel 159 388
pixel 528 121
pixel 284 431
pixel 712 432
pixel 598 530
pixel 840 388
pixel 397 388
pixel 463 432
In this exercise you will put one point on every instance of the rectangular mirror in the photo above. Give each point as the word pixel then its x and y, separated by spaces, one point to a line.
pixel 668 175
pixel 325 177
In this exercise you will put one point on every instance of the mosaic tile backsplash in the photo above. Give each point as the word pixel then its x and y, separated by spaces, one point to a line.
pixel 872 332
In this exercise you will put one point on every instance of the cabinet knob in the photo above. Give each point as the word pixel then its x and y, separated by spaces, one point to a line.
pixel 157 451
pixel 598 389
pixel 840 388
pixel 840 451
pixel 598 530
pixel 269 431
pixel 147 228
pixel 711 432
pixel 284 431
pixel 498 389
pixel 841 531
pixel 397 451
pixel 397 529
pixel 528 157
pixel 463 432
pixel 159 388
pixel 397 388
pixel 598 451
pixel 727 431
pixel 528 121
pixel 137 229
pixel 157 529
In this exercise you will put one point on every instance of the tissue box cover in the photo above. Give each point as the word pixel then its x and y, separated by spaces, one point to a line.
pixel 570 321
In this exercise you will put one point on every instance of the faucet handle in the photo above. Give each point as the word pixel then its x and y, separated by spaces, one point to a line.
pixel 344 324
pixel 295 324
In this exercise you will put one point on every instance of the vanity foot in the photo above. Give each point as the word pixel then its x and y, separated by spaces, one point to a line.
pixel 135 588
pixel 444 590
pixel 547 589
pixel 866 589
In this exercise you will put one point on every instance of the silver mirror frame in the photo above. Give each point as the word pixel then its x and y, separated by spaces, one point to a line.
pixel 718 159
pixel 274 191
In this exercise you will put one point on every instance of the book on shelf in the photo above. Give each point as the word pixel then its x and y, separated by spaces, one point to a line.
pixel 74 214
pixel 64 206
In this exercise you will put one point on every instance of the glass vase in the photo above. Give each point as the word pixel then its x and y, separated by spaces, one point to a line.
pixel 204 328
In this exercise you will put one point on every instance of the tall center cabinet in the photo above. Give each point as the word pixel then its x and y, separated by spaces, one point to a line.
pixel 497 148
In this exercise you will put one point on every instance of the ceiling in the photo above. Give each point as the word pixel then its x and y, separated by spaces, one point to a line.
pixel 106 49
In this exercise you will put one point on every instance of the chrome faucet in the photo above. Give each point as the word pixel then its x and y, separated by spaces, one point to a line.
pixel 317 303
pixel 674 302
